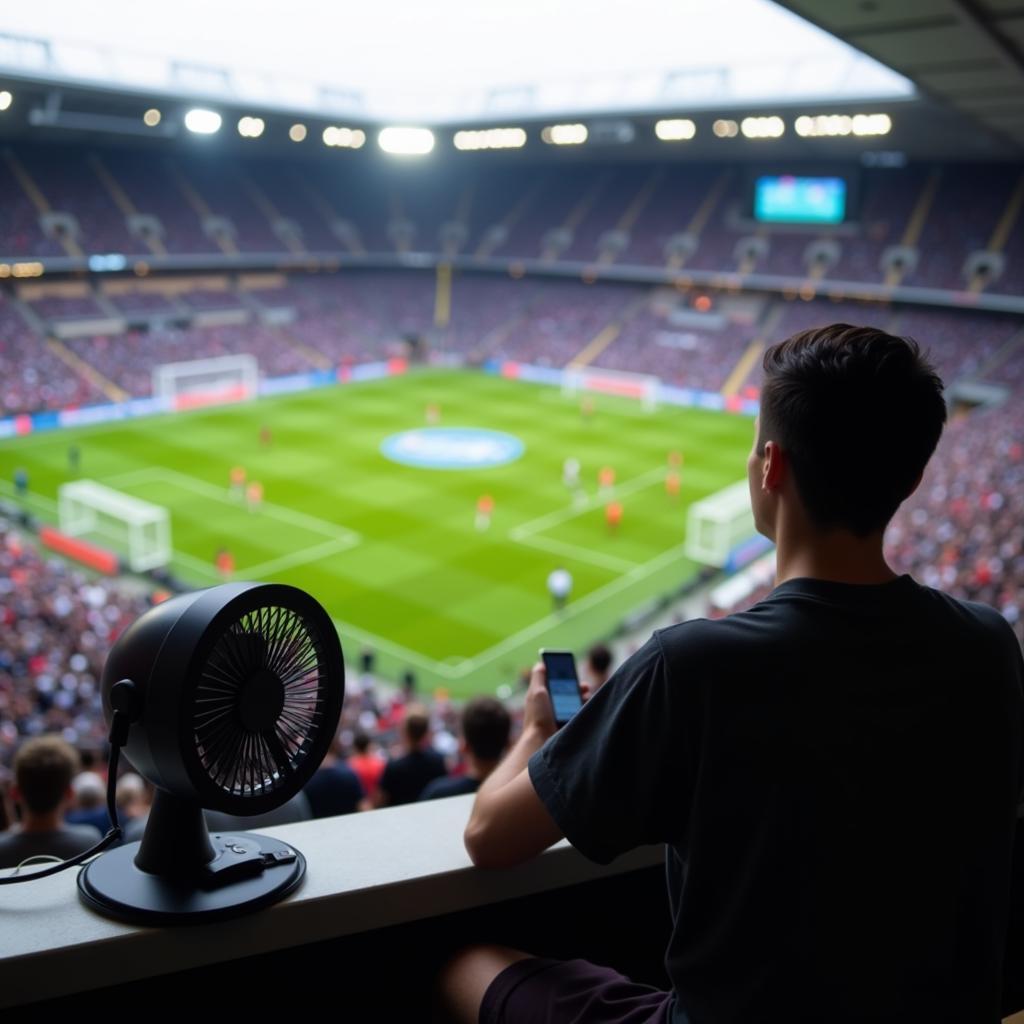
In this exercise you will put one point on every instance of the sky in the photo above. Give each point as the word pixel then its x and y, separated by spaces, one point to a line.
pixel 442 60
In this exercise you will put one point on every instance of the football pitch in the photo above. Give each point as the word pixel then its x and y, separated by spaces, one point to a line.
pixel 392 549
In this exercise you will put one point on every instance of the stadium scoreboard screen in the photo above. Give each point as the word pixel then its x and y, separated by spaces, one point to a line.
pixel 789 199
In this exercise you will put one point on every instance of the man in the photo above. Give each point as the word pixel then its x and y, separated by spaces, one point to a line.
pixel 597 667
pixel 368 765
pixel 335 788
pixel 559 587
pixel 835 772
pixel 43 770
pixel 485 731
pixel 406 776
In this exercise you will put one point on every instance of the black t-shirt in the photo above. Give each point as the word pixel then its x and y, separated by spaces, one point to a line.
pixel 405 777
pixel 450 785
pixel 836 773
pixel 333 790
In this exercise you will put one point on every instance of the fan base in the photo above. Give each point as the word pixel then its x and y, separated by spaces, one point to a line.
pixel 113 886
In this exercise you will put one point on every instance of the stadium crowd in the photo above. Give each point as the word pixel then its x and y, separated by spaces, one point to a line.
pixel 333 320
pixel 260 206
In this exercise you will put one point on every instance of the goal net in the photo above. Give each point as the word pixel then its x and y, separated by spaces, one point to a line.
pixel 643 386
pixel 137 528
pixel 717 524
pixel 198 382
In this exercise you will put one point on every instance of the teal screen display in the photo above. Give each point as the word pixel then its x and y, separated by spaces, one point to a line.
pixel 790 200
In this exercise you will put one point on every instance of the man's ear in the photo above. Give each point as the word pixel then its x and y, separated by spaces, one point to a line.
pixel 774 470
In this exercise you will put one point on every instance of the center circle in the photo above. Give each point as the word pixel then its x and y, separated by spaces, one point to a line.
pixel 452 448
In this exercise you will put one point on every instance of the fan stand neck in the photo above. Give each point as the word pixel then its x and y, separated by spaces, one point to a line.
pixel 176 842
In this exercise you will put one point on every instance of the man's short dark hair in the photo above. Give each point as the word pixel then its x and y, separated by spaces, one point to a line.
pixel 600 658
pixel 43 770
pixel 858 412
pixel 416 723
pixel 486 726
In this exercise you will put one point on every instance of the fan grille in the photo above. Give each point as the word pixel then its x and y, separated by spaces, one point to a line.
pixel 271 657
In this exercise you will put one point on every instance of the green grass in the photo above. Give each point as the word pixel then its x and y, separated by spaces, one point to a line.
pixel 391 551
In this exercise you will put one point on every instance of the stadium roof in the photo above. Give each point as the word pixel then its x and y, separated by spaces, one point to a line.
pixel 447 60
pixel 969 54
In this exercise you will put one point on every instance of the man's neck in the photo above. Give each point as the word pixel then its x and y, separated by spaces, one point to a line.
pixel 477 768
pixel 838 555
pixel 52 822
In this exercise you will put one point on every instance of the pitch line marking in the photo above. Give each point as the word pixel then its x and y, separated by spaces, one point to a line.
pixel 30 497
pixel 452 672
pixel 571 610
pixel 561 515
pixel 281 512
pixel 574 551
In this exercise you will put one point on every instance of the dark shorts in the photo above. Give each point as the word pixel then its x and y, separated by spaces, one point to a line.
pixel 542 991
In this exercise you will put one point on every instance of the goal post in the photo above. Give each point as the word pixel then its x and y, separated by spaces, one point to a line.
pixel 643 386
pixel 140 528
pixel 213 381
pixel 718 523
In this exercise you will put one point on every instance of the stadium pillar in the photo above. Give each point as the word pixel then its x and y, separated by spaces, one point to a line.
pixel 443 295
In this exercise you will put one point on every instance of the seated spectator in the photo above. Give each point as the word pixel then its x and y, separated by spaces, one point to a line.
pixel 334 789
pixel 405 777
pixel 485 731
pixel 43 770
pixel 134 797
pixel 368 765
pixel 90 807
pixel 598 666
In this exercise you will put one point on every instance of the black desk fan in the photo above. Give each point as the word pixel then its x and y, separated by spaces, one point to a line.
pixel 230 698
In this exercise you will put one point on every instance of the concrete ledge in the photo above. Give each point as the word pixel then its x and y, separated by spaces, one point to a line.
pixel 365 872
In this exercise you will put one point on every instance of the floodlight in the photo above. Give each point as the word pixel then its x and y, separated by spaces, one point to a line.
pixel 675 130
pixel 404 141
pixel 203 122
pixel 251 127
pixel 151 118
pixel 725 128
pixel 297 133
pixel 490 138
pixel 564 134
pixel 762 127
pixel 6 99
pixel 343 138
pixel 872 124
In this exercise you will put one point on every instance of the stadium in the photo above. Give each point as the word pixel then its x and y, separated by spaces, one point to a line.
pixel 475 364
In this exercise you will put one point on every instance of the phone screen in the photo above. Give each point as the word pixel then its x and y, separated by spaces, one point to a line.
pixel 563 685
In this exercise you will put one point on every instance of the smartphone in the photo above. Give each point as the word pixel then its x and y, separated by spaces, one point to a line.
pixel 563 684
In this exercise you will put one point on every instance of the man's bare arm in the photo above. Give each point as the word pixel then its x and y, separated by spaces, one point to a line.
pixel 509 823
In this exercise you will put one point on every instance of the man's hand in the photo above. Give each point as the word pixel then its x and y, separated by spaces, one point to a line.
pixel 538 714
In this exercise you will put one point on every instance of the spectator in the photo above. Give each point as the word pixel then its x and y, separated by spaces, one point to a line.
pixel 134 797
pixel 485 731
pixel 43 770
pixel 368 765
pixel 598 666
pixel 795 758
pixel 335 788
pixel 406 776
pixel 90 807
